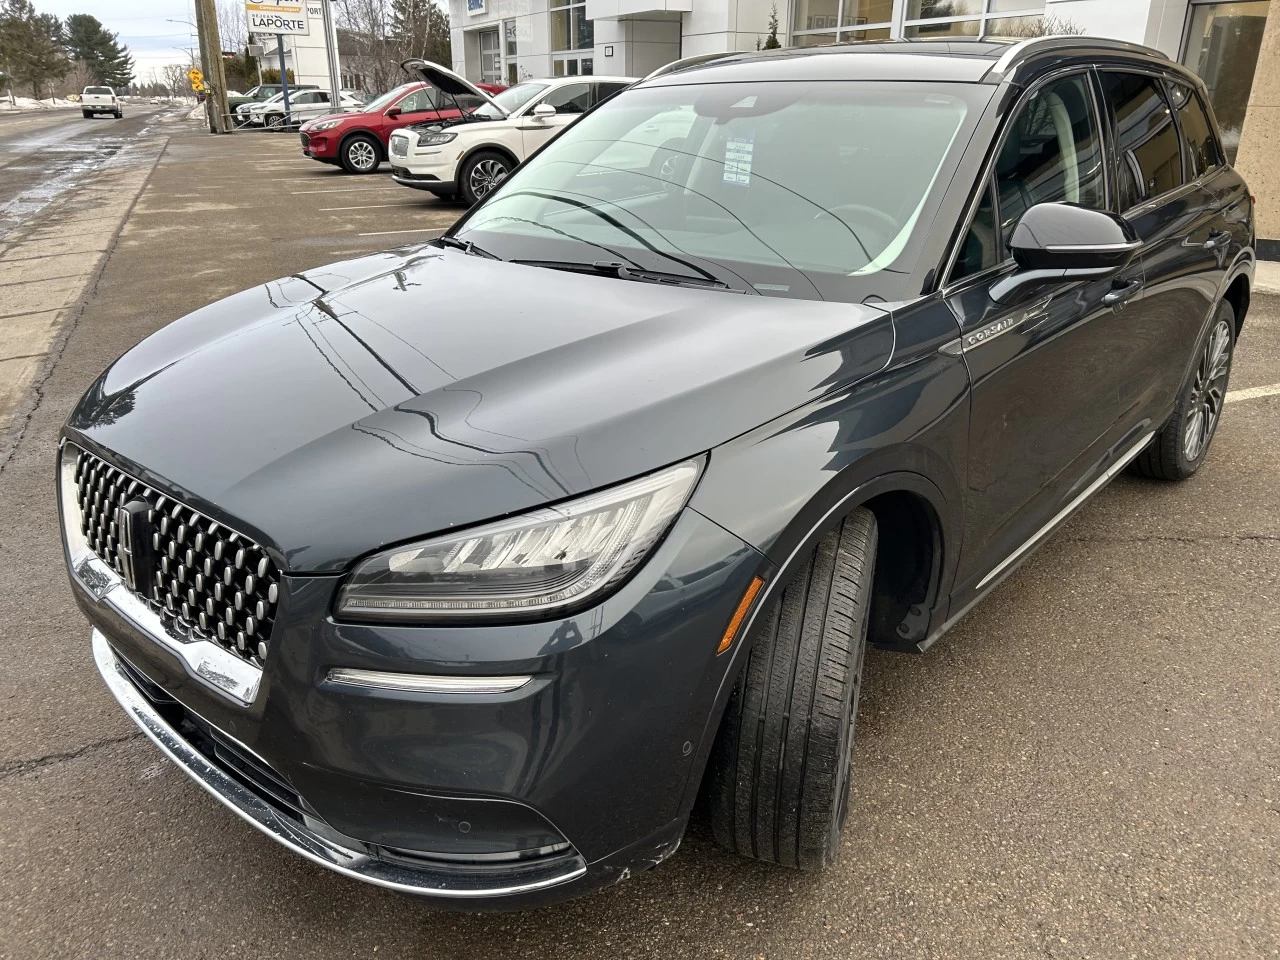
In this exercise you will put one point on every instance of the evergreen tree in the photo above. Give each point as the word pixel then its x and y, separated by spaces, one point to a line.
pixel 31 46
pixel 89 42
pixel 771 42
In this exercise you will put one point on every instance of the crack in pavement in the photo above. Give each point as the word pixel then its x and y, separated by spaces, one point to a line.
pixel 22 767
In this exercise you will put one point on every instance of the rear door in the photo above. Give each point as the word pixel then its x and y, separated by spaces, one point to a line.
pixel 1173 210
pixel 1043 371
pixel 570 100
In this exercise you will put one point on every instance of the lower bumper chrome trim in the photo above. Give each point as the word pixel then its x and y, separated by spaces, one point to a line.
pixel 296 836
pixel 426 683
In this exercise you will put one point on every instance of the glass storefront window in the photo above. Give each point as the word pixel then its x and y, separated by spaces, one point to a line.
pixel 1008 6
pixel 956 28
pixel 584 34
pixel 1222 47
pixel 929 9
pixel 560 30
pixel 857 13
pixel 816 15
pixel 1015 27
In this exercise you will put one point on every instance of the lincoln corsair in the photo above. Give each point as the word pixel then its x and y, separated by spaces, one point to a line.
pixel 465 569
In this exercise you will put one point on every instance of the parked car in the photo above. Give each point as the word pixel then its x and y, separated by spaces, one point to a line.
pixel 304 105
pixel 466 157
pixel 463 568
pixel 261 93
pixel 358 141
pixel 96 100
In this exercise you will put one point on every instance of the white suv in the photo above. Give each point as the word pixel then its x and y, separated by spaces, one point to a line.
pixel 303 105
pixel 467 157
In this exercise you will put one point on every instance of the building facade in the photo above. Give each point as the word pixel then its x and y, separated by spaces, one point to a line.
pixel 506 41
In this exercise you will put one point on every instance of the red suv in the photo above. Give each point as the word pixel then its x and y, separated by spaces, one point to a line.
pixel 358 141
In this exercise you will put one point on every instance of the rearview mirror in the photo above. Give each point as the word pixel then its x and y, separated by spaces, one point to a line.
pixel 544 110
pixel 1057 241
pixel 394 111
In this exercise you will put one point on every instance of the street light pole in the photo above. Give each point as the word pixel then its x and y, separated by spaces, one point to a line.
pixel 210 110
pixel 331 52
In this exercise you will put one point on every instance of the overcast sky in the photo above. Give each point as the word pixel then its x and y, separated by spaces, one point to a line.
pixel 151 39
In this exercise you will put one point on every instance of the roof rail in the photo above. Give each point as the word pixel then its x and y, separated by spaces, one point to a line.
pixel 1017 50
pixel 675 65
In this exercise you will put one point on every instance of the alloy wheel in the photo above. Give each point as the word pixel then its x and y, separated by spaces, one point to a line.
pixel 486 175
pixel 1207 392
pixel 361 155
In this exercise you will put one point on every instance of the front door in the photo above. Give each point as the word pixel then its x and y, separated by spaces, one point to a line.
pixel 1044 377
pixel 570 101
pixel 490 57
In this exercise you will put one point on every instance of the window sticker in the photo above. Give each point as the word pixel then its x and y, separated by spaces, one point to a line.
pixel 738 152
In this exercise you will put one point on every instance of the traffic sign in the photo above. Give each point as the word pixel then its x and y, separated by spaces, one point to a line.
pixel 197 79
pixel 287 18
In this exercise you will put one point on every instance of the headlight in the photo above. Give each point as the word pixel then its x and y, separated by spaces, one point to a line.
pixel 435 139
pixel 317 127
pixel 531 564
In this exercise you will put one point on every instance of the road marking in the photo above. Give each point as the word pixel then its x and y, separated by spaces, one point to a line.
pixel 371 206
pixel 387 233
pixel 1253 393
pixel 386 186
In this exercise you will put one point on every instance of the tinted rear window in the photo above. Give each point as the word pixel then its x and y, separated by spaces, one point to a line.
pixel 1149 151
pixel 1203 153
pixel 103 90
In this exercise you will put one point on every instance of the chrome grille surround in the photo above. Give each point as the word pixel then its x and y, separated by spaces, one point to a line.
pixel 204 580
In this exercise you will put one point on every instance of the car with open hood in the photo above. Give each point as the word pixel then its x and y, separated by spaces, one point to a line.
pixel 357 141
pixel 465 568
pixel 466 157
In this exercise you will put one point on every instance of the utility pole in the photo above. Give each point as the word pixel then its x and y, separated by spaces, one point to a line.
pixel 212 66
pixel 331 52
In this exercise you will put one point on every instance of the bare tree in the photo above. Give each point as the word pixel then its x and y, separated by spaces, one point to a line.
pixel 1051 26
pixel 233 29
pixel 78 77
pixel 174 76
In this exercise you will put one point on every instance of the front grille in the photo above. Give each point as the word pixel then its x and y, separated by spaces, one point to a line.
pixel 205 580
pixel 306 140
pixel 399 147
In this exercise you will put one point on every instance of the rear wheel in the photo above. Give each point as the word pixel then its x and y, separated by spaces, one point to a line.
pixel 1178 450
pixel 481 173
pixel 778 778
pixel 360 155
pixel 88 114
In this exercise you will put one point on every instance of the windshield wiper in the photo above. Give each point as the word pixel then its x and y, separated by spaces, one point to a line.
pixel 612 268
pixel 466 246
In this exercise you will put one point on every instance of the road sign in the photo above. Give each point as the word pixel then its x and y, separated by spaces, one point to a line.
pixel 288 18
pixel 197 79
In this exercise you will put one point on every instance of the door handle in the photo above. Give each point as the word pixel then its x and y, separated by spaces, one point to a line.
pixel 1119 295
pixel 1218 238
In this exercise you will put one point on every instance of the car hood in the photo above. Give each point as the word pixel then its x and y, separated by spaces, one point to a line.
pixel 445 80
pixel 395 396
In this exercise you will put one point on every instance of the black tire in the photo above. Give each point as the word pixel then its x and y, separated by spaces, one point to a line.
pixel 360 154
pixel 119 114
pixel 777 786
pixel 487 168
pixel 1171 454
pixel 88 114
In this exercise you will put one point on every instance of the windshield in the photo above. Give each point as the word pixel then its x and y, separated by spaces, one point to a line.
pixel 804 190
pixel 510 100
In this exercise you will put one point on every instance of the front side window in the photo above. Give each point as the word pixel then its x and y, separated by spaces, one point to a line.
pixel 1147 146
pixel 1051 153
pixel 510 100
pixel 571 98
pixel 419 101
pixel 815 190
pixel 1203 153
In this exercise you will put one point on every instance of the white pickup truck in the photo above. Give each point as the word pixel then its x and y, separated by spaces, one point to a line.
pixel 97 100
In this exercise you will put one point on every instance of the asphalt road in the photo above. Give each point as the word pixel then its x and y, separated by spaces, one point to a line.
pixel 1087 766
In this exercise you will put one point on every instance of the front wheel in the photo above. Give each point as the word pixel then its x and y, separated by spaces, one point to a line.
pixel 481 173
pixel 1178 450
pixel 360 155
pixel 778 778
pixel 275 120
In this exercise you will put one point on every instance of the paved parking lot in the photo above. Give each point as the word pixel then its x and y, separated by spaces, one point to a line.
pixel 1087 766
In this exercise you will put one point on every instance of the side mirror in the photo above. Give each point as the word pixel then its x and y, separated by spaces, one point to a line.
pixel 1058 241
pixel 543 110
pixel 394 111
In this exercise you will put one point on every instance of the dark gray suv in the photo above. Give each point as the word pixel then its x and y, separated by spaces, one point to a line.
pixel 465 568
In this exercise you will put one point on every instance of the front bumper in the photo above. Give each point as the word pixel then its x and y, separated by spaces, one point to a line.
pixel 572 782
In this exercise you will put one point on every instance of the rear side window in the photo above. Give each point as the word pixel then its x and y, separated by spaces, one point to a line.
pixel 603 91
pixel 1147 146
pixel 1203 153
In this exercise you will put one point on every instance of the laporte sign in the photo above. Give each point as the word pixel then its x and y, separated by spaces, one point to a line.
pixel 266 16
